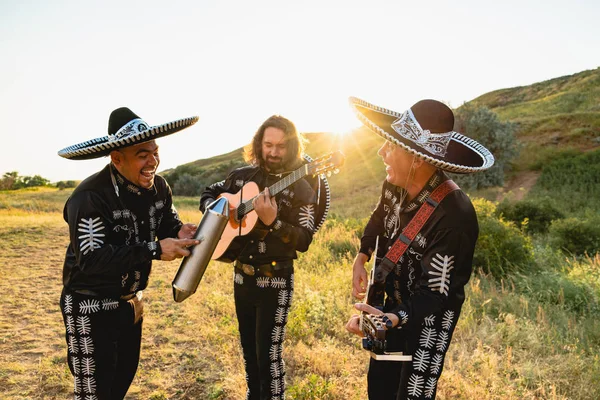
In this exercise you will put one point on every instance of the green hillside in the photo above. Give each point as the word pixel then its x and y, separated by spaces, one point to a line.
pixel 563 111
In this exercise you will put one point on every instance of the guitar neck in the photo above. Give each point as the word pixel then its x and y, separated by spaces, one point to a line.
pixel 247 206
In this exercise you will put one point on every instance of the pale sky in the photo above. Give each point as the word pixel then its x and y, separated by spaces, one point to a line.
pixel 65 65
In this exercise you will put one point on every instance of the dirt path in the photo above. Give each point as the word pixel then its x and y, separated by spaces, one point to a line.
pixel 519 185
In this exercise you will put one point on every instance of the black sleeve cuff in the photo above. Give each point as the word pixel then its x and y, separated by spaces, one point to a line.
pixel 155 249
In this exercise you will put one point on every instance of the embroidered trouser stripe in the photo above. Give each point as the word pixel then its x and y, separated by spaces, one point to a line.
pixel 103 345
pixel 262 307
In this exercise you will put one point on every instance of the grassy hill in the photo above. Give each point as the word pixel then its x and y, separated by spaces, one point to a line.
pixel 554 116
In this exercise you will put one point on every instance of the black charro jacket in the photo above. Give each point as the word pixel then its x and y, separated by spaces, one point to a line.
pixel 429 278
pixel 114 226
pixel 291 231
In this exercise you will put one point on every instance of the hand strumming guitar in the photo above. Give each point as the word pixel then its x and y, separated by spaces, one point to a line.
pixel 353 325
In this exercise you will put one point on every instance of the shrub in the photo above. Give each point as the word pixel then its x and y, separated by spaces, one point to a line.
pixel 501 247
pixel 576 236
pixel 483 125
pixel 187 185
pixel 533 216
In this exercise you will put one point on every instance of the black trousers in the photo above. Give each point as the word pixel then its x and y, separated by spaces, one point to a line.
pixel 103 345
pixel 262 304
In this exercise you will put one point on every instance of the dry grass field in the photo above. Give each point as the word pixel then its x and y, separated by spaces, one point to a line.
pixel 506 345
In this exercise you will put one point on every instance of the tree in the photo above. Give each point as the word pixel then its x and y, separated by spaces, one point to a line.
pixel 8 180
pixel 483 125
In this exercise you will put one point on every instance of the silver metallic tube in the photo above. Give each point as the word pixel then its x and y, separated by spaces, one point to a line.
pixel 209 233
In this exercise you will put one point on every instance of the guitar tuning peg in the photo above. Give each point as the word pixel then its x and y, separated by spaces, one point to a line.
pixel 337 170
pixel 328 174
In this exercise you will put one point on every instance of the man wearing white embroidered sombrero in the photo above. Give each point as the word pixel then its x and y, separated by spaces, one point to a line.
pixel 120 219
pixel 426 229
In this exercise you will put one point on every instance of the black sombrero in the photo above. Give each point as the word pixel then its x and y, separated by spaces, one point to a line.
pixel 426 130
pixel 125 129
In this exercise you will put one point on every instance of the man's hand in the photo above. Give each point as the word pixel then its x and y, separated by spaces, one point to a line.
pixel 353 326
pixel 359 276
pixel 266 207
pixel 176 248
pixel 187 231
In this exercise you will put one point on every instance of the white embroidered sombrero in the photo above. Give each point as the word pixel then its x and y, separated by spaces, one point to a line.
pixel 125 129
pixel 426 129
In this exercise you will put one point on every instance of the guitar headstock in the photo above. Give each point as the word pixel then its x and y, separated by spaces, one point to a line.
pixel 327 164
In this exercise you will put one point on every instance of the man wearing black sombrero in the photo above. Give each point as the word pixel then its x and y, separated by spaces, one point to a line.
pixel 120 219
pixel 426 229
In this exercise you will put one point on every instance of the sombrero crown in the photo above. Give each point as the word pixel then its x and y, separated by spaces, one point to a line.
pixel 125 129
pixel 426 130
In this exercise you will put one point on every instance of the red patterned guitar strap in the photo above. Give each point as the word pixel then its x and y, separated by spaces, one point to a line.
pixel 415 225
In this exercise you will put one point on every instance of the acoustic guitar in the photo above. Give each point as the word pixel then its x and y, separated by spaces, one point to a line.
pixel 243 217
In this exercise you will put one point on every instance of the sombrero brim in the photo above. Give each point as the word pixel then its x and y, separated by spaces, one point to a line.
pixel 323 196
pixel 102 146
pixel 463 155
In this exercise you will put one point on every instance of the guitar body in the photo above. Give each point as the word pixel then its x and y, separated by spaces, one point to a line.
pixel 243 218
pixel 234 227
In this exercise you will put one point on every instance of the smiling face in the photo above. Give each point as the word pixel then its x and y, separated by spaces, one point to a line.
pixel 137 163
pixel 274 149
pixel 398 163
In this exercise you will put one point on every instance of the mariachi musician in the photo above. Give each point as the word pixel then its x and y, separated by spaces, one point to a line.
pixel 427 230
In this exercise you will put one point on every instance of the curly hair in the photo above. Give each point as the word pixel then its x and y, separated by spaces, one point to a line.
pixel 293 140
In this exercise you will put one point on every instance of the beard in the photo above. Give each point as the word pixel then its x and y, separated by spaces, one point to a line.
pixel 274 164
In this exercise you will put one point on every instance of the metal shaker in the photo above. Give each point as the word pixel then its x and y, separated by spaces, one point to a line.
pixel 209 233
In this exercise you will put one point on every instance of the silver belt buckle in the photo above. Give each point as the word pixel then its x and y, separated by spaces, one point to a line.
pixel 248 269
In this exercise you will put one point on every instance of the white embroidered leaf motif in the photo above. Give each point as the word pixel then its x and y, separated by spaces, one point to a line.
pixel 421 360
pixel 307 216
pixel 427 339
pixel 90 238
pixel 84 327
pixel 442 343
pixel 290 297
pixel 274 352
pixel 447 320
pixel 75 362
pixel 77 386
pixel 282 298
pixel 87 346
pixel 88 365
pixel 442 266
pixel 89 306
pixel 275 372
pixel 436 364
pixel 415 385
pixel 278 283
pixel 429 321
pixel 110 304
pixel 430 388
pixel 72 345
pixel 262 281
pixel 277 334
pixel 68 304
pixel 275 387
pixel 262 247
pixel 403 317
pixel 280 315
pixel 239 279
pixel 70 324
pixel 89 384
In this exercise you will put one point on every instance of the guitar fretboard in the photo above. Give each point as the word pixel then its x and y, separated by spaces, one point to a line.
pixel 247 206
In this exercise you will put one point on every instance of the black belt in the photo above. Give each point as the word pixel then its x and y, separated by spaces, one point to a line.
pixel 87 292
pixel 249 269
